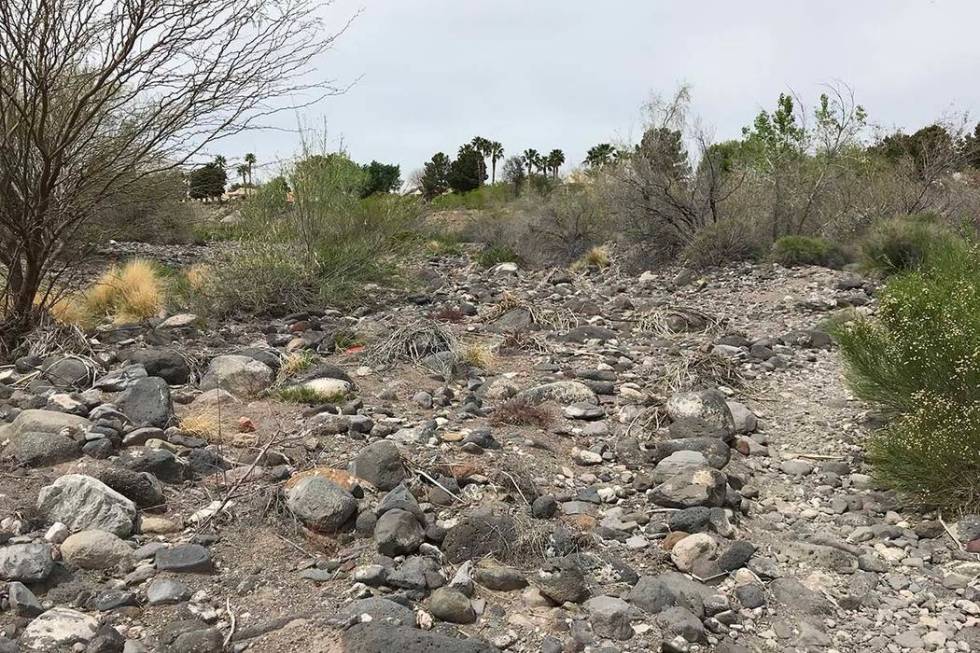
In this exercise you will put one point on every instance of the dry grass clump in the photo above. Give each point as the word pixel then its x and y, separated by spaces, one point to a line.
pixel 131 293
pixel 560 319
pixel 202 424
pixel 297 362
pixel 412 343
pixel 596 258
pixel 520 412
pixel 196 276
pixel 478 355
pixel 699 370
pixel 670 321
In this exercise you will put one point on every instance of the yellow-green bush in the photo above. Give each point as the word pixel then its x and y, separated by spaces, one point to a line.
pixel 918 359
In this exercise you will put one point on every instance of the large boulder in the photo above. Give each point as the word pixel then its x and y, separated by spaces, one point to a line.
pixel 26 563
pixel 43 421
pixel 94 550
pixel 146 402
pixel 380 610
pixel 561 392
pixel 242 376
pixel 708 406
pixel 142 488
pixel 657 593
pixel 58 629
pixel 702 486
pixel 480 534
pixel 39 449
pixel 84 503
pixel 321 505
pixel 398 532
pixel 164 362
pixel 374 637
pixel 380 464
pixel 68 373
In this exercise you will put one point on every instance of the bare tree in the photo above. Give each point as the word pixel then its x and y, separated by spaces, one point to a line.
pixel 664 192
pixel 97 94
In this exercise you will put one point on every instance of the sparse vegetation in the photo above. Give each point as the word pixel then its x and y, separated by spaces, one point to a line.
pixel 301 394
pixel 904 244
pixel 520 412
pixel 791 251
pixel 495 254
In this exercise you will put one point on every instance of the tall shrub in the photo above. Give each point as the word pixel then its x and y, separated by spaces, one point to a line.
pixel 919 360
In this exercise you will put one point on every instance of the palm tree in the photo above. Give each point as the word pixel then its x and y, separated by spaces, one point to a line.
pixel 555 160
pixel 600 155
pixel 250 161
pixel 221 162
pixel 531 157
pixel 243 172
pixel 496 152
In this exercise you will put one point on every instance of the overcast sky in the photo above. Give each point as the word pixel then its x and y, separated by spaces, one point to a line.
pixel 431 74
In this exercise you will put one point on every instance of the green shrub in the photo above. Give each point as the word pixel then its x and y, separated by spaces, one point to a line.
pixel 904 244
pixel 301 394
pixel 257 278
pixel 790 251
pixel 919 360
pixel 484 197
pixel 495 254
pixel 721 242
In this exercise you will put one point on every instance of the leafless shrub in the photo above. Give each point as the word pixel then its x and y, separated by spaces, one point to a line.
pixel 95 96
pixel 520 412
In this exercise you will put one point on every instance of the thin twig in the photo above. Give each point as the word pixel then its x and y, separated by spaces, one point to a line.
pixel 438 484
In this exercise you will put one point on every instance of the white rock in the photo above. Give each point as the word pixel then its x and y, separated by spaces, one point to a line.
pixel 58 628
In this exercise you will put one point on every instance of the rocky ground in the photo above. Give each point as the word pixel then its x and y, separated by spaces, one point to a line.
pixel 510 460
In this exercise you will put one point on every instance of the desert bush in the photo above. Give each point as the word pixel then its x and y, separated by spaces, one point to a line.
pixel 324 249
pixel 918 359
pixel 257 278
pixel 903 244
pixel 130 293
pixel 301 394
pixel 484 197
pixel 477 355
pixel 495 254
pixel 520 412
pixel 723 242
pixel 596 258
pixel 791 251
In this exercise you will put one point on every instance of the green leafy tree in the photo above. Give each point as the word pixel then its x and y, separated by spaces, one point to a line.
pixel 435 176
pixel 381 178
pixel 208 181
pixel 468 171
pixel 555 160
pixel 496 152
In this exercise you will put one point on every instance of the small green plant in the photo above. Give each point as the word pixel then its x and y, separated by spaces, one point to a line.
pixel 301 394
pixel 904 244
pixel 791 251
pixel 918 359
pixel 495 254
